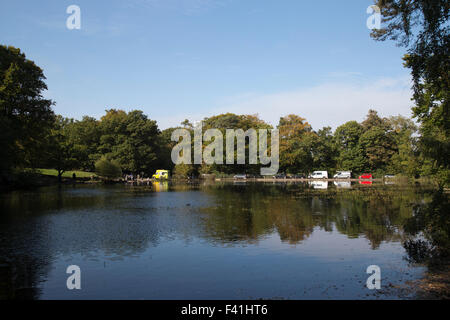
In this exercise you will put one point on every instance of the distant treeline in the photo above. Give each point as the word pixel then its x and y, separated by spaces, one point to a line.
pixel 32 136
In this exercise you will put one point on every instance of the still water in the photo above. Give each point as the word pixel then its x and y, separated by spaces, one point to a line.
pixel 207 241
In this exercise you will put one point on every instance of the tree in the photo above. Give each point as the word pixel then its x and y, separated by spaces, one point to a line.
pixel 60 152
pixel 108 169
pixel 347 135
pixel 373 120
pixel 85 137
pixel 406 160
pixel 325 151
pixel 25 116
pixel 377 141
pixel 165 149
pixel 184 170
pixel 297 141
pixel 351 154
pixel 187 124
pixel 422 27
pixel 379 147
pixel 222 122
pixel 130 138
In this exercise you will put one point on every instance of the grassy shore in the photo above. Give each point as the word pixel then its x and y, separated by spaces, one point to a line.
pixel 34 178
pixel 67 174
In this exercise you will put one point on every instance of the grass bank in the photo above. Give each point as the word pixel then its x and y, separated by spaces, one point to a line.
pixel 67 174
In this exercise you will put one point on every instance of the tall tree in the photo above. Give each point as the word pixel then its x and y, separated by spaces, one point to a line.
pixel 377 141
pixel 85 137
pixel 131 139
pixel 351 154
pixel 422 27
pixel 222 122
pixel 60 152
pixel 379 147
pixel 25 116
pixel 297 141
pixel 406 160
pixel 325 150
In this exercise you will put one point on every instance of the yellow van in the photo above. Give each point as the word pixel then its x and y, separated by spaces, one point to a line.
pixel 161 174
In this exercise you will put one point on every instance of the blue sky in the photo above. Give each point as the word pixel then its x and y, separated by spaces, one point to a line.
pixel 177 59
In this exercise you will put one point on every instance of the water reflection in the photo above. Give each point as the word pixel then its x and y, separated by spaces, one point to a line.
pixel 160 186
pixel 319 184
pixel 49 228
pixel 343 184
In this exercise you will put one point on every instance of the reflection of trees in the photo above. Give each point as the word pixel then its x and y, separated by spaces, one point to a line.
pixel 24 259
pixel 429 231
pixel 123 221
pixel 251 211
pixel 37 226
pixel 287 217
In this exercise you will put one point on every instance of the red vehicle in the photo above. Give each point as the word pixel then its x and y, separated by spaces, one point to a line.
pixel 366 176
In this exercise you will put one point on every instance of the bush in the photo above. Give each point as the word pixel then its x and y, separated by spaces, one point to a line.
pixel 108 169
pixel 183 170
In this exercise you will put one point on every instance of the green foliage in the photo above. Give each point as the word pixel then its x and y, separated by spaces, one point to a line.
pixel 130 138
pixel 379 147
pixel 422 27
pixel 407 158
pixel 108 169
pixel 85 137
pixel 233 121
pixel 32 136
pixel 25 116
pixel 166 144
pixel 60 153
pixel 184 170
pixel 351 154
pixel 325 151
pixel 297 141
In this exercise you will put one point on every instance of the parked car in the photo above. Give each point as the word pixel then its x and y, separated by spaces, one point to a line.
pixel 389 176
pixel 343 175
pixel 319 175
pixel 240 176
pixel 298 176
pixel 366 176
pixel 280 176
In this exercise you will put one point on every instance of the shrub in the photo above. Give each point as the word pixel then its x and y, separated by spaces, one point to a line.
pixel 108 169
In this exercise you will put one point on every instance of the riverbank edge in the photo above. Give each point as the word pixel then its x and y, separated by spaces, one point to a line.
pixel 36 180
pixel 434 285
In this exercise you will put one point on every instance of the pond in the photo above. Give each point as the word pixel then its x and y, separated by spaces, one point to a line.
pixel 210 240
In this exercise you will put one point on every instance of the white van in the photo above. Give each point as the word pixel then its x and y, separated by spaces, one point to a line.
pixel 319 175
pixel 343 175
